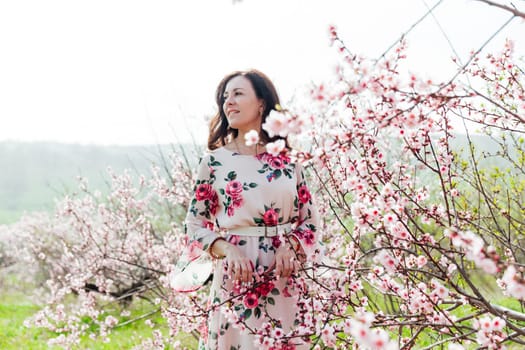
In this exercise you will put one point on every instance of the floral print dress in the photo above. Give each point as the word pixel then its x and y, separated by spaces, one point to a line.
pixel 232 191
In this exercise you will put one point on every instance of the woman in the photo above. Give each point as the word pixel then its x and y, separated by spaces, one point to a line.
pixel 253 214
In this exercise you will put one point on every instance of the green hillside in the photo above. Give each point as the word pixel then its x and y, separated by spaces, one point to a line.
pixel 34 174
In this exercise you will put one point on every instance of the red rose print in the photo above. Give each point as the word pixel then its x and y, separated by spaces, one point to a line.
pixel 208 224
pixel 271 217
pixel 276 241
pixel 265 157
pixel 234 239
pixel 237 202
pixel 203 330
pixel 304 194
pixel 251 300
pixel 194 250
pixel 277 163
pixel 214 203
pixel 233 189
pixel 264 289
pixel 204 192
pixel 307 236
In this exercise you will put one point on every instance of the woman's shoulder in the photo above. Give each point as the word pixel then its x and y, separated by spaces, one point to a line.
pixel 219 152
pixel 214 154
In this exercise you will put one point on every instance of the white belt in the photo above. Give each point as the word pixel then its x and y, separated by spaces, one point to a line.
pixel 260 231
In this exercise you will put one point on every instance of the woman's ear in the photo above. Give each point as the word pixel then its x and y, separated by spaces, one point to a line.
pixel 261 108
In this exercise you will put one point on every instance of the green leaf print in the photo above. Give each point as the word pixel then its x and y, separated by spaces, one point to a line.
pixel 232 175
pixel 258 221
pixel 257 312
pixel 271 301
pixel 214 162
pixel 247 313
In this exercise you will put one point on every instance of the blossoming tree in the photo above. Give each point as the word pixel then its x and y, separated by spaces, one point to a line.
pixel 422 234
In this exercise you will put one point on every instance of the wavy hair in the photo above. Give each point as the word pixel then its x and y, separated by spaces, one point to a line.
pixel 220 131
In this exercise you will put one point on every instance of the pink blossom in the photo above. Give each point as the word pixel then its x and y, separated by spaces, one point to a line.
pixel 276 124
pixel 514 283
pixel 328 336
pixel 277 333
pixel 251 137
pixel 421 261
pixel 385 259
pixel 439 291
pixel 276 147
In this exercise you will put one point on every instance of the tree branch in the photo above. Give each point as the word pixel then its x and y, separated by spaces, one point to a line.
pixel 512 10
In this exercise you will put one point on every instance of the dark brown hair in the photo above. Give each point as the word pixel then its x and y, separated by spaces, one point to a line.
pixel 264 90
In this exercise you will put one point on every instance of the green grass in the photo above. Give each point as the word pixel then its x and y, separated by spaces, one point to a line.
pixel 15 308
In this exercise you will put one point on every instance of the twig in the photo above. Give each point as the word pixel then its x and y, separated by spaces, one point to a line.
pixel 514 11
pixel 509 313
pixel 137 318
pixel 409 30
pixel 462 68
pixel 446 340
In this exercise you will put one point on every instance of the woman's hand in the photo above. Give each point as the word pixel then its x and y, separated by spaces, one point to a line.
pixel 240 268
pixel 285 262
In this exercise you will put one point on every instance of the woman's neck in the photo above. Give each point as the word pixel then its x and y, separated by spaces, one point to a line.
pixel 240 146
pixel 242 133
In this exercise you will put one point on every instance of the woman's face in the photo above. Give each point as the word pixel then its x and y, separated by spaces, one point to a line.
pixel 241 106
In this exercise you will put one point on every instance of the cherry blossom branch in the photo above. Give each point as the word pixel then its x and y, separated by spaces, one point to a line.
pixel 448 340
pixel 512 10
pixel 141 317
pixel 500 106
pixel 474 55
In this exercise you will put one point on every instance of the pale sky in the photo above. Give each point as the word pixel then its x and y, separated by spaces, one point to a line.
pixel 145 72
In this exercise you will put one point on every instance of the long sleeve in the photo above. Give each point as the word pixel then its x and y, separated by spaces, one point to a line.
pixel 307 222
pixel 203 207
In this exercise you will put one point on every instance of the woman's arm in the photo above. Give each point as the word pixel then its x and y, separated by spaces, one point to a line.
pixel 240 268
